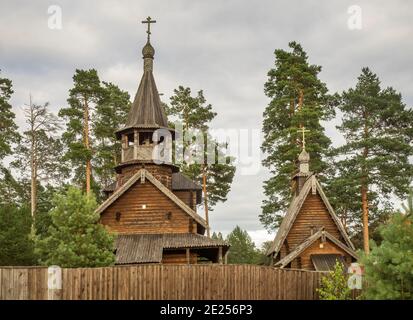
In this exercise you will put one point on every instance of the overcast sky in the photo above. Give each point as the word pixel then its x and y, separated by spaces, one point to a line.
pixel 223 47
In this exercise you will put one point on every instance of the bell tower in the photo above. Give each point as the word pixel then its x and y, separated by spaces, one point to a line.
pixel 146 138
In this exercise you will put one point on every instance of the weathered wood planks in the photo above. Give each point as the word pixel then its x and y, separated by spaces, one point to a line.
pixel 148 282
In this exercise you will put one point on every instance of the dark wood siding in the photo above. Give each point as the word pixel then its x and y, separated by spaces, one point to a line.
pixel 188 197
pixel 313 213
pixel 178 257
pixel 161 215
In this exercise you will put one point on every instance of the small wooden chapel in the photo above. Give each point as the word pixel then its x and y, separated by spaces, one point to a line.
pixel 311 236
pixel 151 207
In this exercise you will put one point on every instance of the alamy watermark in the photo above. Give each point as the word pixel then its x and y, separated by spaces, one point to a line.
pixel 355 280
pixel 355 20
pixel 54 22
pixel 240 147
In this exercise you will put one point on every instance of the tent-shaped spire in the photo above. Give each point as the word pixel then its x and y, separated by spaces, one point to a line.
pixel 146 110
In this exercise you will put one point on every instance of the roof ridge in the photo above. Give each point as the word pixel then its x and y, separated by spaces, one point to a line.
pixel 284 227
pixel 169 234
pixel 115 195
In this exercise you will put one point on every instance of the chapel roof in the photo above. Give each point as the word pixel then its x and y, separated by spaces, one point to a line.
pixel 148 248
pixel 146 111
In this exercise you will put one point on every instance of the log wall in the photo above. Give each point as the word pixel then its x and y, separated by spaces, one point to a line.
pixel 312 214
pixel 161 215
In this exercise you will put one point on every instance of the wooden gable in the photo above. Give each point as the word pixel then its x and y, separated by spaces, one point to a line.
pixel 312 216
pixel 309 211
pixel 329 248
pixel 143 208
pixel 319 244
pixel 144 205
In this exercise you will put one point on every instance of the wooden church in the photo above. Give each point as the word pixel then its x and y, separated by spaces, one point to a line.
pixel 151 206
pixel 311 236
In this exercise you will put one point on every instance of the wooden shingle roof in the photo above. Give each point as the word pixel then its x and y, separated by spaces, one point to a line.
pixel 138 249
pixel 148 248
pixel 295 207
pixel 182 182
pixel 146 110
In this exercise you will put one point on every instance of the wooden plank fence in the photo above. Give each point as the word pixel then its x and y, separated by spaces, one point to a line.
pixel 166 282
pixel 23 283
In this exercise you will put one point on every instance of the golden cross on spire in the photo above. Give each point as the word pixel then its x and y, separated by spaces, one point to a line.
pixel 149 21
pixel 303 130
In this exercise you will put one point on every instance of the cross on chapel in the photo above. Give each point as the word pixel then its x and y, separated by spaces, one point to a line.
pixel 148 21
pixel 303 130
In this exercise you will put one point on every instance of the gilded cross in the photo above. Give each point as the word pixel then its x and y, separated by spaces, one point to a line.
pixel 303 130
pixel 149 21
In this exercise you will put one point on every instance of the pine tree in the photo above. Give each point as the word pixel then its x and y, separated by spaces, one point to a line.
pixel 298 98
pixel 13 191
pixel 217 236
pixel 243 250
pixel 8 128
pixel 342 189
pixel 378 130
pixel 192 112
pixel 105 107
pixel 75 238
pixel 40 151
pixel 216 178
pixel 44 206
pixel 16 245
pixel 83 97
pixel 265 260
pixel 388 267
pixel 111 113
pixel 218 175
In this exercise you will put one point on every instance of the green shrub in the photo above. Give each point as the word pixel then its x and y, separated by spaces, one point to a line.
pixel 334 285
pixel 75 238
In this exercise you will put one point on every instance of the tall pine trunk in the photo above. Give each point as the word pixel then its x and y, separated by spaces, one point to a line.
pixel 33 184
pixel 86 143
pixel 205 199
pixel 300 100
pixel 365 209
pixel 33 166
pixel 364 191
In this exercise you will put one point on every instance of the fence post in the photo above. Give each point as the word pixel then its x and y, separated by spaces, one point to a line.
pixel 54 283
